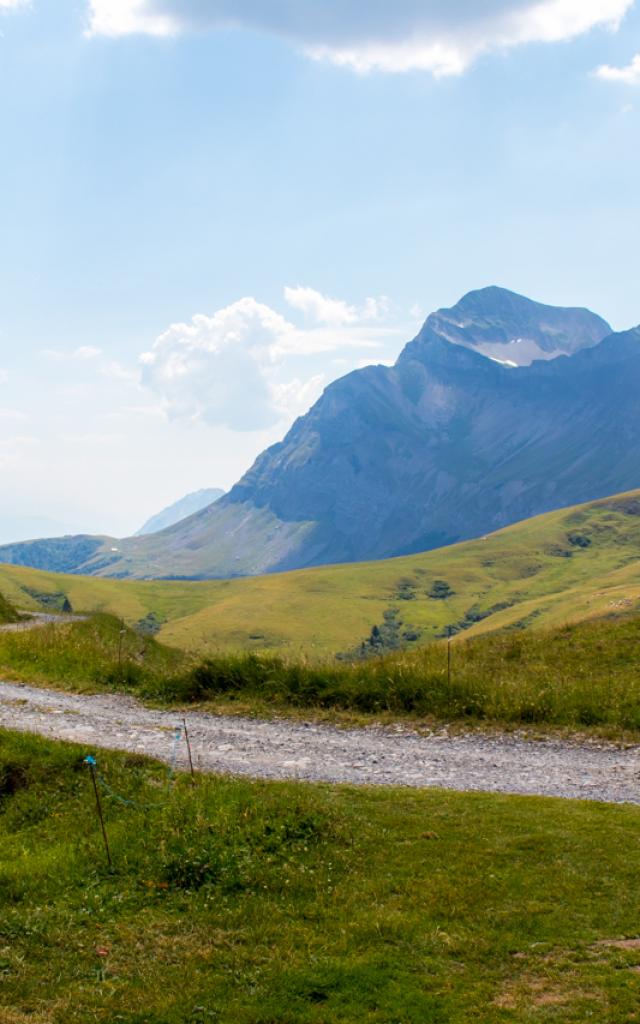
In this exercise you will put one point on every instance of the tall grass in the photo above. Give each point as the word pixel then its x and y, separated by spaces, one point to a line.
pixel 581 675
pixel 98 652
pixel 8 613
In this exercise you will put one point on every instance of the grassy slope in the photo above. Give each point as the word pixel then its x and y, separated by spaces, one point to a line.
pixel 7 612
pixel 580 676
pixel 532 566
pixel 255 903
pixel 90 655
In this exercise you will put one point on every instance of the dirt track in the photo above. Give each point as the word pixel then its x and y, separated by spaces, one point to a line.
pixel 293 750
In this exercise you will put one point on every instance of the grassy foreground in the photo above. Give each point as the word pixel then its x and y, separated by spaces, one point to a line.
pixel 264 903
pixel 585 675
pixel 564 566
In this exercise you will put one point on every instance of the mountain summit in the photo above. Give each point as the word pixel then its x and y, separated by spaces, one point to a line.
pixel 513 329
pixel 448 444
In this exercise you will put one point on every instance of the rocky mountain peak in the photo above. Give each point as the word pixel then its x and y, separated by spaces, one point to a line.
pixel 513 329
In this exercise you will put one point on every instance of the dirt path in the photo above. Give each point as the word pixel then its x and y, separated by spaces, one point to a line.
pixel 38 619
pixel 294 750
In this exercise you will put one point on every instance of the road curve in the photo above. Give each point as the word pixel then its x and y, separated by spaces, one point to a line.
pixel 313 752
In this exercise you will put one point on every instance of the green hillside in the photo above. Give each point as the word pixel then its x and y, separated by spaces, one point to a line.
pixel 564 566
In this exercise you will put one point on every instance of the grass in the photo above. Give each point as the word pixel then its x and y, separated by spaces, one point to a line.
pixel 564 566
pixel 94 654
pixel 585 675
pixel 8 613
pixel 575 677
pixel 257 903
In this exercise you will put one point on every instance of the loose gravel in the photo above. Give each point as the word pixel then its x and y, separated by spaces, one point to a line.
pixel 314 752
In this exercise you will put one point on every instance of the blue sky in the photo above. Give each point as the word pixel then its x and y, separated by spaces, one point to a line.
pixel 304 181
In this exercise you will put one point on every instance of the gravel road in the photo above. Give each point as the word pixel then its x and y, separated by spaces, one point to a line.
pixel 294 750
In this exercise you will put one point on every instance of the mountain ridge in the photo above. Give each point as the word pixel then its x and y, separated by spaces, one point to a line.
pixel 447 444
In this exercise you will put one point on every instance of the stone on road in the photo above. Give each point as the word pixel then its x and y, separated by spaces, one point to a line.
pixel 284 749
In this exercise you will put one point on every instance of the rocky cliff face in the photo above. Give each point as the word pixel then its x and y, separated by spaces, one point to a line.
pixel 447 444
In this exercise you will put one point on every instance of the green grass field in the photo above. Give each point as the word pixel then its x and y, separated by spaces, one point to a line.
pixel 575 677
pixel 561 567
pixel 265 903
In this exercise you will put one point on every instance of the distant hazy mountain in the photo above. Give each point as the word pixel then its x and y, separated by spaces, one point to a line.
pixel 447 444
pixel 16 526
pixel 191 503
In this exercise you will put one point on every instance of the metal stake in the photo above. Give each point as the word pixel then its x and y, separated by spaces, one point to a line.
pixel 92 768
pixel 186 736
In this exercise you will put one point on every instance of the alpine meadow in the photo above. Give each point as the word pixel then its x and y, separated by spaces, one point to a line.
pixel 320 512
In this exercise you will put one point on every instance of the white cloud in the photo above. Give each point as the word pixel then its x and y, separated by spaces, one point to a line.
pixel 297 396
pixel 126 17
pixel 6 5
pixel 440 36
pixel 319 307
pixel 82 353
pixel 630 74
pixel 334 313
pixel 116 371
pixel 240 367
pixel 218 368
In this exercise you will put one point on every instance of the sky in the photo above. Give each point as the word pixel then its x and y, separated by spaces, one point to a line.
pixel 210 209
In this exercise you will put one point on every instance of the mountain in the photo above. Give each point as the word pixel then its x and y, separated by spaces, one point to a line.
pixel 446 445
pixel 513 329
pixel 565 566
pixel 186 506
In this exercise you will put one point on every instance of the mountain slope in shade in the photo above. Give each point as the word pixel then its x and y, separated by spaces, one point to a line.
pixel 445 445
pixel 186 506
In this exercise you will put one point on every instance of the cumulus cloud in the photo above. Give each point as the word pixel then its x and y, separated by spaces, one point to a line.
pixel 629 75
pixel 440 36
pixel 218 368
pixel 240 367
pixel 319 307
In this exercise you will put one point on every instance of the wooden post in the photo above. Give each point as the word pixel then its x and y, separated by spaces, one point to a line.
pixel 90 761
pixel 186 736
